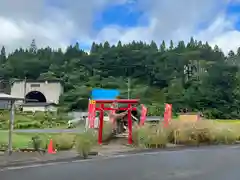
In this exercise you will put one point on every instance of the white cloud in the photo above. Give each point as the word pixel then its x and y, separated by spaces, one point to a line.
pixel 178 21
pixel 57 25
pixel 222 33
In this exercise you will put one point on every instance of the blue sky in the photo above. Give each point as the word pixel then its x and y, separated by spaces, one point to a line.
pixel 125 15
pixel 234 9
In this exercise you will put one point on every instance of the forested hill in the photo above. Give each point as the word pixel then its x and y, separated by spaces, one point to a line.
pixel 189 75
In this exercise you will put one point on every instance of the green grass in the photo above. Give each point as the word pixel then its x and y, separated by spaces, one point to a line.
pixel 188 133
pixel 19 140
pixel 237 121
pixel 23 120
pixel 23 140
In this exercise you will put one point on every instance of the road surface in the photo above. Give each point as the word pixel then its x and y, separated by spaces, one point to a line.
pixel 203 164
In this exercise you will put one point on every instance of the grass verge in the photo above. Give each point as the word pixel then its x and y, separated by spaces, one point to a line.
pixel 24 140
pixel 187 133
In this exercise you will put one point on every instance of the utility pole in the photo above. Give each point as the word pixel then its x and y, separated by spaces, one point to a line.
pixel 25 87
pixel 11 126
pixel 129 87
pixel 1 86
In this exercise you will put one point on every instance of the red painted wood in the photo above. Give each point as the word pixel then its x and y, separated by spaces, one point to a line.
pixel 129 125
pixel 121 109
pixel 123 101
pixel 101 116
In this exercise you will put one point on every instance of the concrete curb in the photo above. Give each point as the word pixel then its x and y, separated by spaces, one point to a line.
pixel 34 162
pixel 176 148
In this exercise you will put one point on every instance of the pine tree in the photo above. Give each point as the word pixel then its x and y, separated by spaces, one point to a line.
pixel 153 46
pixel 181 45
pixel 231 53
pixel 77 46
pixel 200 44
pixel 93 48
pixel 119 44
pixel 216 48
pixel 171 45
pixel 106 45
pixel 3 57
pixel 238 51
pixel 33 47
pixel 163 46
pixel 191 44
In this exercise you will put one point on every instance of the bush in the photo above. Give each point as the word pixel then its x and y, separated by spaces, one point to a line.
pixel 186 133
pixel 28 125
pixel 149 136
pixel 63 141
pixel 85 142
pixel 3 146
pixel 36 143
pixel 4 126
pixel 203 132
pixel 107 131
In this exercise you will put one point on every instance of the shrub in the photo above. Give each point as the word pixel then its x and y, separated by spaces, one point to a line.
pixel 187 133
pixel 85 142
pixel 63 141
pixel 107 131
pixel 28 125
pixel 36 142
pixel 3 146
pixel 4 126
pixel 207 132
pixel 149 136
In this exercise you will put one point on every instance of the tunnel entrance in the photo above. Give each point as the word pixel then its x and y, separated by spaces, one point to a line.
pixel 35 96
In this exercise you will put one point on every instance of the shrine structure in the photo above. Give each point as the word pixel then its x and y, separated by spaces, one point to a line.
pixel 100 105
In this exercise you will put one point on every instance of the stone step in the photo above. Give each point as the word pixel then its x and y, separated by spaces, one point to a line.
pixel 123 135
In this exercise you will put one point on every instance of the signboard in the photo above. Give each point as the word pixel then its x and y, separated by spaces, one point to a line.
pixel 105 94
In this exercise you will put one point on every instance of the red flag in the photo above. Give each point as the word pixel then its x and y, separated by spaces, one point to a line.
pixel 167 114
pixel 143 115
pixel 91 112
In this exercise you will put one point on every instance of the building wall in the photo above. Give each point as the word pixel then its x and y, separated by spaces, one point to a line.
pixel 4 104
pixel 96 122
pixel 39 108
pixel 51 90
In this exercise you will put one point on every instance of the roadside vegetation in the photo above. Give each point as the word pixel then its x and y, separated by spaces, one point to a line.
pixel 204 132
pixel 81 142
pixel 30 120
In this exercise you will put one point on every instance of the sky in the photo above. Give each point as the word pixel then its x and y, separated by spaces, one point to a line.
pixel 59 23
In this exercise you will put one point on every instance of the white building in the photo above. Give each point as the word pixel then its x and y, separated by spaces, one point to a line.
pixel 42 93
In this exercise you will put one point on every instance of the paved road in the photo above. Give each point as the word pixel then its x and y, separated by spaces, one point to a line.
pixel 204 164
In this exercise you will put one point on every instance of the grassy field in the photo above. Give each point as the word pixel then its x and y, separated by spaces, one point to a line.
pixel 150 135
pixel 65 140
pixel 37 120
pixel 19 140
pixel 237 121
pixel 24 140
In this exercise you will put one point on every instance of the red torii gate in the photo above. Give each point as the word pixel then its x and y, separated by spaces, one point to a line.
pixel 101 108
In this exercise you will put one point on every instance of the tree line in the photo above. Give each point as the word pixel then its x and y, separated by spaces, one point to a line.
pixel 190 75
